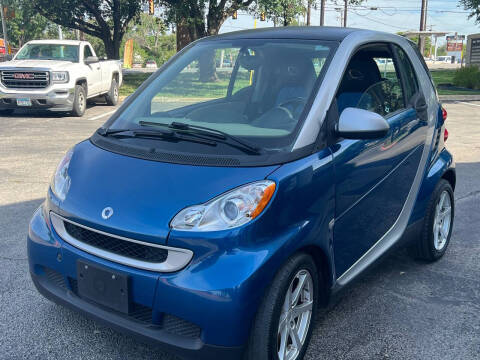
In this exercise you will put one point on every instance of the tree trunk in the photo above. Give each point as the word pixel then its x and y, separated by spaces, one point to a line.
pixel 207 68
pixel 309 11
pixel 183 36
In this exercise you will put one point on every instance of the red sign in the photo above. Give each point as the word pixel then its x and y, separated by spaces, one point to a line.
pixel 2 50
pixel 454 46
pixel 24 76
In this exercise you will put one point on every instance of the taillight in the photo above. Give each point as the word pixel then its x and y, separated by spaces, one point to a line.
pixel 445 135
pixel 444 113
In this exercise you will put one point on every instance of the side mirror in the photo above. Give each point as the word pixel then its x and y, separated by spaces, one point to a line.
pixel 361 124
pixel 91 60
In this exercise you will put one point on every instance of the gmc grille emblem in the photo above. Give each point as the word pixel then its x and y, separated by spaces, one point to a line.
pixel 24 76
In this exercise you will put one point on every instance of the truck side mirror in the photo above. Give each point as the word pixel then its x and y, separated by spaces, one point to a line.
pixel 91 60
pixel 361 124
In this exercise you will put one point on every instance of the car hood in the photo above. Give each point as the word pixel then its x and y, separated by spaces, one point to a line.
pixel 144 195
pixel 38 64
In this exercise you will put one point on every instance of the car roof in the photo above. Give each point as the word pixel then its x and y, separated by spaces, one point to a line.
pixel 327 33
pixel 58 42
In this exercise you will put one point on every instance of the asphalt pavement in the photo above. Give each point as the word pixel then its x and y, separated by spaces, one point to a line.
pixel 400 309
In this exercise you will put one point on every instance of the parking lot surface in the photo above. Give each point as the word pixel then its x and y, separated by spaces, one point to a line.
pixel 400 309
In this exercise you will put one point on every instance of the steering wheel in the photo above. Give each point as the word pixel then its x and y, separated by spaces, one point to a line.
pixel 293 107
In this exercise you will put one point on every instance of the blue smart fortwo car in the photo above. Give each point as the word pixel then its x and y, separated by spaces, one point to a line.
pixel 243 185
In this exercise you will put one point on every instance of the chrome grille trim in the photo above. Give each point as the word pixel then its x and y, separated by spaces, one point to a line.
pixel 40 80
pixel 177 258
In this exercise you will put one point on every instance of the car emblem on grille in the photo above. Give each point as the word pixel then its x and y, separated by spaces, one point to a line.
pixel 24 76
pixel 107 213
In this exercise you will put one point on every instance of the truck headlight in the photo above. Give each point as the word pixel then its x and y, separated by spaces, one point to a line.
pixel 60 77
pixel 231 209
pixel 60 183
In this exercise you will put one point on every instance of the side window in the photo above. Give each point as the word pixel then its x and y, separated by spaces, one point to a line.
pixel 87 52
pixel 411 82
pixel 372 82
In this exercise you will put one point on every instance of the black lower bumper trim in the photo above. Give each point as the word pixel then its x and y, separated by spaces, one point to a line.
pixel 183 347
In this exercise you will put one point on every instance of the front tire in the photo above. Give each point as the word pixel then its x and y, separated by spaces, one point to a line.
pixel 79 102
pixel 438 224
pixel 284 322
pixel 112 96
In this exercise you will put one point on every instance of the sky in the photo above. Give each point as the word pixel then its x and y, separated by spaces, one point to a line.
pixel 391 16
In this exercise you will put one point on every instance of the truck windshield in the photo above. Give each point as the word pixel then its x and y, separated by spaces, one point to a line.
pixel 257 90
pixel 48 52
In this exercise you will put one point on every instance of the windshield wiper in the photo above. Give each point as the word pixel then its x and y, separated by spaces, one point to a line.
pixel 157 134
pixel 210 133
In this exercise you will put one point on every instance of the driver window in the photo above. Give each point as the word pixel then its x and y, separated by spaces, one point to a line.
pixel 372 82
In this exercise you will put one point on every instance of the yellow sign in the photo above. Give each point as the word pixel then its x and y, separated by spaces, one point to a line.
pixel 128 54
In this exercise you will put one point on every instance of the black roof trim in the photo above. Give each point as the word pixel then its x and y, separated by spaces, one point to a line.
pixel 290 32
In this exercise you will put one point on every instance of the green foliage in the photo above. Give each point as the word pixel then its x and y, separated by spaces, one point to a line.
pixel 150 40
pixel 26 25
pixel 106 20
pixel 282 12
pixel 474 7
pixel 468 77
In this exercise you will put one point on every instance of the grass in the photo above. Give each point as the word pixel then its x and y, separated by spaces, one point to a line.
pixel 217 89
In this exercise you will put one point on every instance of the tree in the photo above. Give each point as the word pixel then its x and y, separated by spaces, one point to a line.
pixel 150 39
pixel 105 19
pixel 474 7
pixel 195 19
pixel 26 25
pixel 282 11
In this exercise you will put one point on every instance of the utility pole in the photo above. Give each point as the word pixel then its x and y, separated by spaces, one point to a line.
pixel 322 13
pixel 60 33
pixel 423 26
pixel 4 27
pixel 345 14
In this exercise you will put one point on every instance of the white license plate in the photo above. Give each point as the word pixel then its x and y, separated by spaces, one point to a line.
pixel 24 102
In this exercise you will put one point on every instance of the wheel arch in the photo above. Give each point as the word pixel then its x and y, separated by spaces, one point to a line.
pixel 451 176
pixel 324 267
pixel 83 82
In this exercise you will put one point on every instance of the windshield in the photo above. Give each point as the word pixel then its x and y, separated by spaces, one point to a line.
pixel 254 90
pixel 48 52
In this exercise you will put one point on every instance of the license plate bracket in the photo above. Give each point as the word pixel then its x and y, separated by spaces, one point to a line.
pixel 103 286
pixel 24 102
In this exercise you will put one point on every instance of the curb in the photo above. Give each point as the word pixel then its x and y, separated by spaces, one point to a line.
pixel 459 97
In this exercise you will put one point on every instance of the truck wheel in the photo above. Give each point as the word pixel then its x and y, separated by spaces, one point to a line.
pixel 438 224
pixel 285 318
pixel 112 96
pixel 79 102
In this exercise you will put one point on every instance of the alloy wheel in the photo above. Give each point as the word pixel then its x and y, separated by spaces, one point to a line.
pixel 442 221
pixel 295 316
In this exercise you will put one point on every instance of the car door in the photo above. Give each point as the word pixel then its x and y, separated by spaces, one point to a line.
pixel 93 73
pixel 373 177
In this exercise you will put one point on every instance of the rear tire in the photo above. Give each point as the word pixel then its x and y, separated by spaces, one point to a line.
pixel 277 320
pixel 80 101
pixel 112 96
pixel 438 224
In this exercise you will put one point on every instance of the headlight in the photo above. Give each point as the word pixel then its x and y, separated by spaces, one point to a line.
pixel 60 183
pixel 228 210
pixel 60 76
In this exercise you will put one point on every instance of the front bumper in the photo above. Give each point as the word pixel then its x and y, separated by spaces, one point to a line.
pixel 56 98
pixel 170 310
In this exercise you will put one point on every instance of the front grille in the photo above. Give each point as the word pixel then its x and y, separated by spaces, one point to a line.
pixel 117 246
pixel 25 79
pixel 55 278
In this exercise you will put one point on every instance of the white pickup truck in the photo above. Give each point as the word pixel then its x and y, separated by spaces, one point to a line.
pixel 59 75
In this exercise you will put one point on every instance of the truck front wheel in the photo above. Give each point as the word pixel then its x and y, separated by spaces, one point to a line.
pixel 112 96
pixel 79 102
